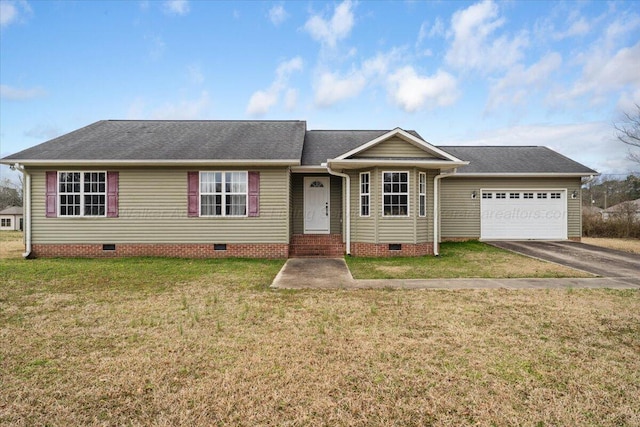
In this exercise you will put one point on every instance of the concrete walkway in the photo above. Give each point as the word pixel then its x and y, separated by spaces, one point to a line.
pixel 333 273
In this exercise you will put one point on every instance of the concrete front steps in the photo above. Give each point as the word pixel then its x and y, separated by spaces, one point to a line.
pixel 316 246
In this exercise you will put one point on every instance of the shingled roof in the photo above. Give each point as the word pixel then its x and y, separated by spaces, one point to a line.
pixel 515 159
pixel 286 141
pixel 174 140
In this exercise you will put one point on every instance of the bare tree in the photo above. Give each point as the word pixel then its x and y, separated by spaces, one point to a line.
pixel 628 131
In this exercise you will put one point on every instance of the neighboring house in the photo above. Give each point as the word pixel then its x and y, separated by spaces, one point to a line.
pixel 11 218
pixel 623 210
pixel 593 211
pixel 275 189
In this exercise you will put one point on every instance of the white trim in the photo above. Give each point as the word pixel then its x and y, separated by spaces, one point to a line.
pixel 308 169
pixel 304 204
pixel 346 212
pixel 408 194
pixel 365 194
pixel 223 195
pixel 81 194
pixel 404 135
pixel 524 175
pixel 175 162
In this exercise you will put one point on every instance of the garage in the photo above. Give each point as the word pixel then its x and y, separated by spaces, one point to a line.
pixel 523 214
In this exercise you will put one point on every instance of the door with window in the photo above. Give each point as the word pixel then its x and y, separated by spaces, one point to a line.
pixel 316 205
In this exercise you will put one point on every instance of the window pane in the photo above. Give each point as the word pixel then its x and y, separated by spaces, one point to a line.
pixel 236 205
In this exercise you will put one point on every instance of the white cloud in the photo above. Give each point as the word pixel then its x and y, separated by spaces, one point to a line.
pixel 329 31
pixel 291 99
pixel 43 132
pixel 194 74
pixel 577 26
pixel 16 94
pixel 591 143
pixel 413 92
pixel 475 45
pixel 156 48
pixel 608 67
pixel 517 84
pixel 185 109
pixel 176 7
pixel 332 88
pixel 13 11
pixel 278 15
pixel 263 100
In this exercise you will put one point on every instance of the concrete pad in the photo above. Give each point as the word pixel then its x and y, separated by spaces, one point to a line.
pixel 333 273
pixel 314 273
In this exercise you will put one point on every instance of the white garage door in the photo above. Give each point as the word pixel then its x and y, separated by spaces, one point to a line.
pixel 523 214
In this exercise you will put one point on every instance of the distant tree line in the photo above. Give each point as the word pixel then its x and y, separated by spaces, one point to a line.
pixel 10 193
pixel 605 191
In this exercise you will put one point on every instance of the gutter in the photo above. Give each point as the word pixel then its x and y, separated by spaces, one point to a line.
pixel 436 211
pixel 26 198
pixel 347 207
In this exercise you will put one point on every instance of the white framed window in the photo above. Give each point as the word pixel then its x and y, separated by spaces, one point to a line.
pixel 542 195
pixel 527 195
pixel 395 193
pixel 223 193
pixel 556 196
pixel 514 195
pixel 422 194
pixel 501 195
pixel 82 194
pixel 365 193
pixel 487 195
pixel 5 222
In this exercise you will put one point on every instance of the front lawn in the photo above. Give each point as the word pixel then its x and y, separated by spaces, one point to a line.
pixel 459 260
pixel 206 342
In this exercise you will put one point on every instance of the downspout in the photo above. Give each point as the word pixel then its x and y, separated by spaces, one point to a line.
pixel 436 211
pixel 347 207
pixel 26 201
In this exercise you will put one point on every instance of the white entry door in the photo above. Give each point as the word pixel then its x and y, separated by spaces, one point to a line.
pixel 316 205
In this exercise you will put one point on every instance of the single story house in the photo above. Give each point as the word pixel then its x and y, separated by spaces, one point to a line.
pixel 275 189
pixel 625 210
pixel 11 218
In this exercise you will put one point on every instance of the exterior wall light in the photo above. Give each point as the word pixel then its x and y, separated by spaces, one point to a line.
pixel 474 194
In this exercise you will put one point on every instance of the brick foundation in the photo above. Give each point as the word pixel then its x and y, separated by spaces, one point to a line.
pixel 178 250
pixel 382 249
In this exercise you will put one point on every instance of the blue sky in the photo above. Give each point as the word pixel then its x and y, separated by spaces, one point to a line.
pixel 460 73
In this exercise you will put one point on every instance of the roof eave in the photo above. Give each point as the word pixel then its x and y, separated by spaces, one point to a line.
pixel 186 162
pixel 525 174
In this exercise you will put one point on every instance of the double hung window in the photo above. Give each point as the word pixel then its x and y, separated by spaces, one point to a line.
pixel 395 193
pixel 223 193
pixel 365 193
pixel 82 193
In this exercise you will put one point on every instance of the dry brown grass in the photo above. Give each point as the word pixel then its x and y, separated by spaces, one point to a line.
pixel 11 244
pixel 626 245
pixel 224 350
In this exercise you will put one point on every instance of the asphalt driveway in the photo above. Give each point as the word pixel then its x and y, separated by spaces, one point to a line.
pixel 593 259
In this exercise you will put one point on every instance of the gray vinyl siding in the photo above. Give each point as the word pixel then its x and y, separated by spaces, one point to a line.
pixel 297 203
pixel 153 209
pixel 380 229
pixel 393 148
pixel 460 214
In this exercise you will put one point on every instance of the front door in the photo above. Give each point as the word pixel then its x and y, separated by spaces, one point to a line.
pixel 316 205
